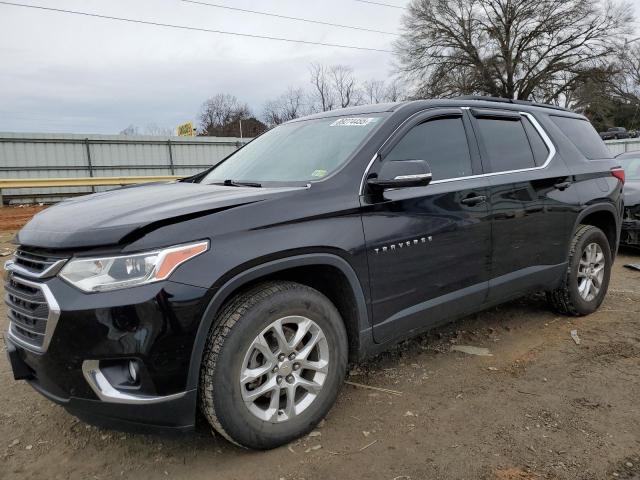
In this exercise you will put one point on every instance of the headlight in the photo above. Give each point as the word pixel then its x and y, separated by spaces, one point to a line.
pixel 111 273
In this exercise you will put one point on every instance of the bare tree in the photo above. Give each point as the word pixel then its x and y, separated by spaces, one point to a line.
pixel 130 130
pixel 527 49
pixel 344 86
pixel 291 104
pixel 374 91
pixel 395 91
pixel 322 95
pixel 219 111
pixel 271 113
pixel 379 91
pixel 593 97
pixel 333 86
pixel 611 96
pixel 626 82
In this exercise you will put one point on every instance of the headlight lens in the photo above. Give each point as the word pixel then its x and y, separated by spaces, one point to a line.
pixel 111 273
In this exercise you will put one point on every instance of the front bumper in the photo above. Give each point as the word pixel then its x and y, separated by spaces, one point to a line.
pixel 96 334
pixel 630 235
pixel 176 413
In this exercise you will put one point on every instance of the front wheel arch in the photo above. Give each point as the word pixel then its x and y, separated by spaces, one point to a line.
pixel 358 328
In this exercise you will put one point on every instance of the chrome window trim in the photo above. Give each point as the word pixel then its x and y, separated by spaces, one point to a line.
pixel 412 177
pixel 545 138
pixel 108 393
pixel 52 318
pixel 366 170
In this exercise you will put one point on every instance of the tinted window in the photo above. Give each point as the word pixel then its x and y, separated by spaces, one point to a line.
pixel 583 136
pixel 540 150
pixel 305 150
pixel 442 143
pixel 506 144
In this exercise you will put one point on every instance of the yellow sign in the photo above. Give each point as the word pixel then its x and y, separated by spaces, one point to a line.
pixel 185 130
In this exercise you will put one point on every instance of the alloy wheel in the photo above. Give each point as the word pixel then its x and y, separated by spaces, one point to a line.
pixel 284 369
pixel 591 272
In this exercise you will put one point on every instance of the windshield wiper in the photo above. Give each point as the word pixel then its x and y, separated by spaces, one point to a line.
pixel 234 183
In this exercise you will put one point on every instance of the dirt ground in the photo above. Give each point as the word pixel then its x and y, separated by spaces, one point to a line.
pixel 540 407
pixel 12 218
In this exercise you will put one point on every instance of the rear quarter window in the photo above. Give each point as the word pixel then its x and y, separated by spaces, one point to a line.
pixel 583 136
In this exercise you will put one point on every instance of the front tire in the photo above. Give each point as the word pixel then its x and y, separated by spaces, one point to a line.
pixel 586 280
pixel 273 365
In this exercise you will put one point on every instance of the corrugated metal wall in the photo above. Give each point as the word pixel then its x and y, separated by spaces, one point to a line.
pixel 36 155
pixel 616 147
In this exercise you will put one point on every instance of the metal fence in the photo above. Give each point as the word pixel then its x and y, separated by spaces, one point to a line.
pixel 616 147
pixel 33 155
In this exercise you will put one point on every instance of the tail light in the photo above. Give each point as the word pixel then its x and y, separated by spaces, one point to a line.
pixel 618 173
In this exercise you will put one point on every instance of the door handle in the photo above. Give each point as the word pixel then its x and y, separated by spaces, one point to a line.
pixel 473 200
pixel 562 185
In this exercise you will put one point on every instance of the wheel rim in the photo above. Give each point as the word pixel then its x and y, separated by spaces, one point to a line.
pixel 591 272
pixel 284 369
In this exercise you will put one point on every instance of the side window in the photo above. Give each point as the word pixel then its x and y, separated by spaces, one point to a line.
pixel 506 144
pixel 539 148
pixel 442 143
pixel 583 136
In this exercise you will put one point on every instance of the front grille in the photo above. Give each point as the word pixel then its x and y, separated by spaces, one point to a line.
pixel 27 309
pixel 37 264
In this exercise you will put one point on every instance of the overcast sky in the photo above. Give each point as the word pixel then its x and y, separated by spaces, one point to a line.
pixel 66 73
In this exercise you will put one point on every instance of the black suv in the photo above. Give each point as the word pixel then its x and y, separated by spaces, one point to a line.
pixel 244 291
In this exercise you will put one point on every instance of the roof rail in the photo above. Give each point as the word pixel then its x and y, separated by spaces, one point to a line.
pixel 511 101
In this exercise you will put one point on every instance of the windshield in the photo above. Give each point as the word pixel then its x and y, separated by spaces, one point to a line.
pixel 297 152
pixel 631 168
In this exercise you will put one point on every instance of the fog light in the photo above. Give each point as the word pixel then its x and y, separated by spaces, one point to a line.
pixel 133 371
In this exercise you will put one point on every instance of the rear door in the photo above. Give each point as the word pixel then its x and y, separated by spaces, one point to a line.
pixel 428 247
pixel 530 213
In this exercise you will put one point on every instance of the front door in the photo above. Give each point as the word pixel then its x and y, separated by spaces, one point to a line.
pixel 428 247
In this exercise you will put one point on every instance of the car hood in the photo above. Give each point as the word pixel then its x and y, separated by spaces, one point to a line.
pixel 632 193
pixel 107 218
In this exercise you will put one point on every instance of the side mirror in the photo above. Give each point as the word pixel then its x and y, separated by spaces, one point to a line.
pixel 401 174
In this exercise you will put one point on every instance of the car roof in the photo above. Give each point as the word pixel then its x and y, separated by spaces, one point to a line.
pixel 412 106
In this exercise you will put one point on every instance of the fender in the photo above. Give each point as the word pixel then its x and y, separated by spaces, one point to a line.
pixel 598 207
pixel 226 290
pixel 601 207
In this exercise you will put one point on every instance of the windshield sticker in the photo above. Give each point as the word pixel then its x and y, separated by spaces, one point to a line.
pixel 353 122
pixel 319 173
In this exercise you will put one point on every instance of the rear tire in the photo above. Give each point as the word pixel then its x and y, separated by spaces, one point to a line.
pixel 586 280
pixel 273 365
